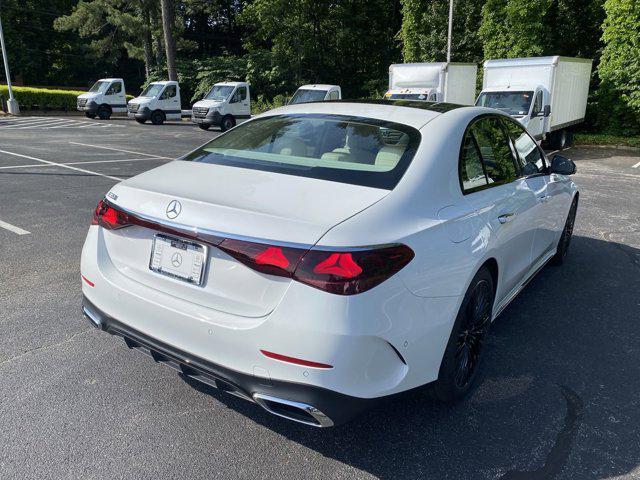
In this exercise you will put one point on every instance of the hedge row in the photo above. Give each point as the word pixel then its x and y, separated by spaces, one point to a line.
pixel 30 98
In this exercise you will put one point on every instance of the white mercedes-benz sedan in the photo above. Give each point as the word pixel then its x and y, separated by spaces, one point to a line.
pixel 323 256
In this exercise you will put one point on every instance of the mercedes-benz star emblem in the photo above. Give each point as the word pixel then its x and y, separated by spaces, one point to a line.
pixel 176 259
pixel 173 209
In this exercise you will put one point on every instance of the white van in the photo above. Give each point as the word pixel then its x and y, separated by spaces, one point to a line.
pixel 223 106
pixel 433 82
pixel 545 94
pixel 105 97
pixel 158 102
pixel 316 93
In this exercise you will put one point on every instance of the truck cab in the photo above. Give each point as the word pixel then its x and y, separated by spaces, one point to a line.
pixel 421 94
pixel 528 105
pixel 223 106
pixel 316 93
pixel 159 102
pixel 105 97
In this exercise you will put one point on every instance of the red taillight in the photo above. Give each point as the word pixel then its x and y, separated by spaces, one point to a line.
pixel 270 259
pixel 351 272
pixel 108 217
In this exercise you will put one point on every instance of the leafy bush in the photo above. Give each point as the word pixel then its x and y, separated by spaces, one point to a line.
pixel 261 104
pixel 30 98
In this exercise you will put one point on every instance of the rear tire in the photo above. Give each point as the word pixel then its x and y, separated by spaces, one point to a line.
pixel 462 361
pixel 203 126
pixel 565 239
pixel 227 123
pixel 104 112
pixel 90 115
pixel 157 117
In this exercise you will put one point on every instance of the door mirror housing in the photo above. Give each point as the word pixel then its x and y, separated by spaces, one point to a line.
pixel 547 110
pixel 562 165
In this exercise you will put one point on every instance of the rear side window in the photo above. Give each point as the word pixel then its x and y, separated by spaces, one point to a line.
pixel 356 150
pixel 471 169
pixel 495 150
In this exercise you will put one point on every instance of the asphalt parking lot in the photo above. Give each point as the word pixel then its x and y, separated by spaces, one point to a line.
pixel 560 399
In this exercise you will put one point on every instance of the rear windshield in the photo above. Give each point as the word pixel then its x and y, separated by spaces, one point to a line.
pixel 346 149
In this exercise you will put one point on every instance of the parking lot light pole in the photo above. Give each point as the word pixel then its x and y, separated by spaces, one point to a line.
pixel 449 32
pixel 12 104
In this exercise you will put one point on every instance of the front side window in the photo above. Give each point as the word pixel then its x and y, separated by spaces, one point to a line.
pixel 530 156
pixel 537 104
pixel 495 150
pixel 152 90
pixel 169 92
pixel 242 93
pixel 116 87
pixel 338 148
pixel 513 103
pixel 219 92
pixel 306 95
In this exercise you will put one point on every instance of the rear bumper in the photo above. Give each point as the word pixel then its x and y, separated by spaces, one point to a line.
pixel 308 404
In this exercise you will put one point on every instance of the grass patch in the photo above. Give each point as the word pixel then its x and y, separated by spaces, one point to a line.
pixel 606 139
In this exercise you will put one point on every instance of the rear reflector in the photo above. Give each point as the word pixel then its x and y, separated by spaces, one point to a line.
pixel 89 282
pixel 296 361
pixel 347 271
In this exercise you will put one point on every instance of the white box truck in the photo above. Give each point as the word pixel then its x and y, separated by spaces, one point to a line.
pixel 223 106
pixel 158 102
pixel 316 93
pixel 433 82
pixel 105 97
pixel 545 94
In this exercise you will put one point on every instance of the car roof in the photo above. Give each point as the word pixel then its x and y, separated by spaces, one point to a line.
pixel 407 112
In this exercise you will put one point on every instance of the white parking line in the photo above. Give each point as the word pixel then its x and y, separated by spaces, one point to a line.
pixel 39 124
pixel 29 122
pixel 13 228
pixel 118 160
pixel 61 165
pixel 121 150
pixel 48 123
pixel 636 165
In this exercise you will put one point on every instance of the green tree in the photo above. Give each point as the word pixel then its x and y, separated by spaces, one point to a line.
pixel 424 31
pixel 619 68
pixel 514 28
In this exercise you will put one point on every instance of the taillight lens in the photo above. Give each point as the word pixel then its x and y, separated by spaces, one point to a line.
pixel 108 217
pixel 351 272
pixel 274 260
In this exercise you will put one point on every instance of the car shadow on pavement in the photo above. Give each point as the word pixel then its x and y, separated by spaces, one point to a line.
pixel 559 397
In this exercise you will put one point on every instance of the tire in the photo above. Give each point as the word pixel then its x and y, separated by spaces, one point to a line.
pixel 157 117
pixel 462 361
pixel 90 115
pixel 565 239
pixel 227 123
pixel 140 120
pixel 104 112
pixel 203 126
pixel 561 139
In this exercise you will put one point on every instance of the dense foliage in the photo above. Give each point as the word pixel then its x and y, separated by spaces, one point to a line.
pixel 277 45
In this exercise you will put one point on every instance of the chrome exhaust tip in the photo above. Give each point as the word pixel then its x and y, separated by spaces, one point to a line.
pixel 294 411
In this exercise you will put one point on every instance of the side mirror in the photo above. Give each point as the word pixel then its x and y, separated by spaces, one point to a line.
pixel 547 110
pixel 562 165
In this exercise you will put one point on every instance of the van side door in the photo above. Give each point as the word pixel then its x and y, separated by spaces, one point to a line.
pixel 537 119
pixel 115 97
pixel 239 105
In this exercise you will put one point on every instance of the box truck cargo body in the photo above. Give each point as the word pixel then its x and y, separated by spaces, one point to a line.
pixel 433 82
pixel 546 94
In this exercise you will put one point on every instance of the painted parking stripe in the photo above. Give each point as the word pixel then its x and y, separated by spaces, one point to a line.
pixel 61 165
pixel 117 160
pixel 29 122
pixel 636 165
pixel 40 124
pixel 13 228
pixel 120 150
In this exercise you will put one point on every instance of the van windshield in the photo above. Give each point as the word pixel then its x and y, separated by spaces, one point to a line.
pixel 513 103
pixel 152 90
pixel 98 86
pixel 219 92
pixel 339 148
pixel 406 96
pixel 307 95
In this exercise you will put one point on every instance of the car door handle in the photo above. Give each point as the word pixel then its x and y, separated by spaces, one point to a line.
pixel 506 217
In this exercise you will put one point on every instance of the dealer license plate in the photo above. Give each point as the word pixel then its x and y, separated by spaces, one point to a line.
pixel 180 259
